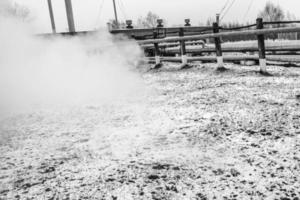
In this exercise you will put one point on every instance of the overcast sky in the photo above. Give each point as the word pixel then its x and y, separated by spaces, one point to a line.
pixel 90 14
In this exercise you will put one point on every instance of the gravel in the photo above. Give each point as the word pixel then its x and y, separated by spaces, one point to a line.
pixel 192 134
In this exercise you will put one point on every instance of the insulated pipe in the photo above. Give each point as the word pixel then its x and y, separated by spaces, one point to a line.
pixel 51 16
pixel 70 16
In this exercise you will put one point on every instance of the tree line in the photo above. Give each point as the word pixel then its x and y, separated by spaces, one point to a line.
pixel 270 13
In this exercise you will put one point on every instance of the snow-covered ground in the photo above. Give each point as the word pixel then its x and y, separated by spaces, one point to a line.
pixel 191 134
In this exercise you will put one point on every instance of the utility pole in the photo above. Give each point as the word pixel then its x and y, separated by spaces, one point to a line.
pixel 116 15
pixel 51 16
pixel 70 16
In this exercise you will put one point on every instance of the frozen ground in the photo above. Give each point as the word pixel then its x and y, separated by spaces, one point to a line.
pixel 195 134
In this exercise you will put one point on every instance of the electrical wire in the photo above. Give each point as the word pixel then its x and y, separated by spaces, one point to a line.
pixel 248 9
pixel 122 7
pixel 225 5
pixel 227 10
pixel 98 19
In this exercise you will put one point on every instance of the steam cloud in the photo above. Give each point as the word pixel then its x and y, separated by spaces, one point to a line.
pixel 38 71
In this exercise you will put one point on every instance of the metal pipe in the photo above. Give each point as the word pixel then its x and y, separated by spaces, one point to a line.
pixel 51 16
pixel 70 16
pixel 224 34
pixel 116 14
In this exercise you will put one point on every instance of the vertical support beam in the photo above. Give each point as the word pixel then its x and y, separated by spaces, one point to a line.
pixel 70 16
pixel 109 27
pixel 129 24
pixel 159 26
pixel 218 18
pixel 51 16
pixel 187 22
pixel 218 47
pixel 116 14
pixel 159 23
pixel 156 52
pixel 261 47
pixel 182 49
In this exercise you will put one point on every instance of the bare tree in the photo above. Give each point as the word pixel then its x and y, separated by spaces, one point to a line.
pixel 21 12
pixel 272 12
pixel 14 10
pixel 290 36
pixel 210 21
pixel 150 21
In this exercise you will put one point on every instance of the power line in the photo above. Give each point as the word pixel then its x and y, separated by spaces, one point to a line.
pixel 99 13
pixel 122 7
pixel 227 9
pixel 225 5
pixel 248 9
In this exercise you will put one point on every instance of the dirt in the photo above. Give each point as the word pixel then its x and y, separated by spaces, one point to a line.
pixel 194 134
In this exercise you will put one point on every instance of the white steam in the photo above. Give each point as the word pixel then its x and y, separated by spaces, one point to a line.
pixel 41 71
